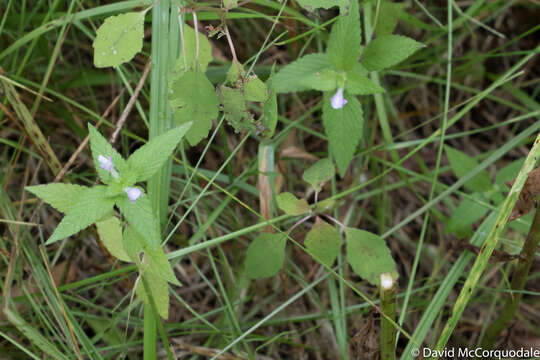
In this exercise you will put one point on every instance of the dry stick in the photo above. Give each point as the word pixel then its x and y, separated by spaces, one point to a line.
pixel 131 102
pixel 68 323
pixel 519 279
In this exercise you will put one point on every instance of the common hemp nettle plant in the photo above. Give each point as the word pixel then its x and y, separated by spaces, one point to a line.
pixel 138 230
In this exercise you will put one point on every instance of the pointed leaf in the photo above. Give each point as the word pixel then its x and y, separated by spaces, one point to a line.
pixel 60 196
pixel 462 164
pixel 368 255
pixel 100 146
pixel 361 85
pixel 110 233
pixel 265 255
pixel 92 205
pixel 291 205
pixel 344 42
pixel 150 157
pixel 319 173
pixel 159 291
pixel 388 50
pixel 323 80
pixel 324 241
pixel 344 128
pixel 289 78
pixel 118 39
pixel 140 215
pixel 160 265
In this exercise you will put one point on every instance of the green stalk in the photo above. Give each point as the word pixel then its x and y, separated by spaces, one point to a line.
pixel 165 31
pixel 388 306
pixel 519 279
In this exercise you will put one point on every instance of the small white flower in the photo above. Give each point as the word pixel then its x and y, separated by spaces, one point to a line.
pixel 133 193
pixel 338 101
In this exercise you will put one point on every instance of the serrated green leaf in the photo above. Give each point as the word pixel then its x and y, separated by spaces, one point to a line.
pixel 140 215
pixel 291 205
pixel 324 241
pixel 110 234
pixel 344 128
pixel 150 157
pixel 368 255
pixel 234 108
pixel 462 164
pixel 133 244
pixel 255 89
pixel 289 78
pixel 60 196
pixel 466 214
pixel 344 42
pixel 319 173
pixel 192 98
pixel 388 50
pixel 118 39
pixel 387 18
pixel 358 84
pixel 100 146
pixel 188 56
pixel 265 255
pixel 160 266
pixel 323 80
pixel 159 290
pixel 311 5
pixel 91 205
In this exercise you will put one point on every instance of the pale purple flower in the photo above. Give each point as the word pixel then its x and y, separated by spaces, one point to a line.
pixel 106 163
pixel 133 193
pixel 338 101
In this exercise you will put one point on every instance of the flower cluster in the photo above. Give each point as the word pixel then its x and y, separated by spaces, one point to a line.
pixel 106 163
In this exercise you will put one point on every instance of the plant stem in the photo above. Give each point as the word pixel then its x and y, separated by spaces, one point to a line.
pixel 388 306
pixel 518 283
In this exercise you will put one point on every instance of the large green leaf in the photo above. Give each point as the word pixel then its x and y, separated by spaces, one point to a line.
pixel 150 157
pixel 118 39
pixel 60 196
pixel 388 50
pixel 344 42
pixel 110 233
pixel 160 266
pixel 188 57
pixel 91 205
pixel 265 255
pixel 290 78
pixel 387 17
pixel 324 241
pixel 100 146
pixel 292 205
pixel 344 128
pixel 462 164
pixel 140 215
pixel 234 108
pixel 159 290
pixel 255 89
pixel 368 255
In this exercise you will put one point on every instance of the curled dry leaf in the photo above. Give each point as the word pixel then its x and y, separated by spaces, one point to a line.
pixel 526 197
